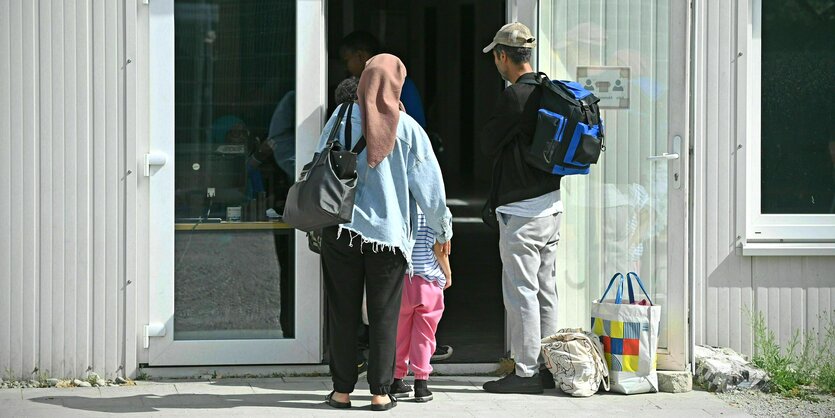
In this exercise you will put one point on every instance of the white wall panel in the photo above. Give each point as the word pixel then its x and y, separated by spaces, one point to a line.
pixel 19 260
pixel 61 159
pixel 794 293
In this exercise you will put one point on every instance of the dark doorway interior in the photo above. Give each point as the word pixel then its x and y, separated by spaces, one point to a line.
pixel 440 43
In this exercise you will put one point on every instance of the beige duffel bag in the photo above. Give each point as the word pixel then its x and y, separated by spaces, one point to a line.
pixel 575 358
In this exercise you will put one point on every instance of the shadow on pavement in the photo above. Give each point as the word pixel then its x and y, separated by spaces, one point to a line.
pixel 153 403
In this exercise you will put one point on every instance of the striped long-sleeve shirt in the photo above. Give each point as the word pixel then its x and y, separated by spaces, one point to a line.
pixel 423 258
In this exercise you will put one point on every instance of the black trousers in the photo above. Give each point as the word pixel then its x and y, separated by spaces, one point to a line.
pixel 347 268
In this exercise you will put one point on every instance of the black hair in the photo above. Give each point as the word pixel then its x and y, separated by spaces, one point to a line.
pixel 360 41
pixel 346 91
pixel 517 55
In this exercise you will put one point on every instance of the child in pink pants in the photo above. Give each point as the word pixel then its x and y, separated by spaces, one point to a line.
pixel 420 311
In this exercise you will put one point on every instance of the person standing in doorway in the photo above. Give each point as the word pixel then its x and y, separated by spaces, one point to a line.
pixel 396 173
pixel 356 49
pixel 527 205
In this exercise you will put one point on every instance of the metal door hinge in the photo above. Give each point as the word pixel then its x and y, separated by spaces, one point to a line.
pixel 154 159
pixel 153 330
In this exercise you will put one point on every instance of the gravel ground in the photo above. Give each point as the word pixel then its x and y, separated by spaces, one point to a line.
pixel 760 404
pixel 227 283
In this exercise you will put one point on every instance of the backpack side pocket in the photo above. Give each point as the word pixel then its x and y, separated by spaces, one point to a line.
pixel 548 137
pixel 585 145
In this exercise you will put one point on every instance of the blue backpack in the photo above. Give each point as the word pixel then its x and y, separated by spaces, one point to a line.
pixel 569 131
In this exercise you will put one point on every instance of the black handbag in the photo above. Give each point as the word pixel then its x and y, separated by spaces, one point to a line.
pixel 324 194
pixel 314 241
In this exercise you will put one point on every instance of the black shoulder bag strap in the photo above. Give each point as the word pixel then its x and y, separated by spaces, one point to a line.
pixel 349 133
pixel 335 128
pixel 348 125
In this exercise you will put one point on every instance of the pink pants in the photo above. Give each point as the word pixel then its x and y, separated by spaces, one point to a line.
pixel 420 311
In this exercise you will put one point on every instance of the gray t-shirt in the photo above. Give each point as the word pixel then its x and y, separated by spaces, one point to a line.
pixel 545 205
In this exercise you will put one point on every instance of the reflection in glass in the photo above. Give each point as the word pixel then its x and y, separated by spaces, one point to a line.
pixel 231 285
pixel 798 108
pixel 615 219
pixel 234 162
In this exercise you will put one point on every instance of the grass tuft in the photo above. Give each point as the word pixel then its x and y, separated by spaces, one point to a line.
pixel 805 364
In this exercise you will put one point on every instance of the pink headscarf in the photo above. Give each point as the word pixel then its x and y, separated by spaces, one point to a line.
pixel 379 99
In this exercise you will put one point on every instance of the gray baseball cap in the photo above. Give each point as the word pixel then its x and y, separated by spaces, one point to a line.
pixel 512 34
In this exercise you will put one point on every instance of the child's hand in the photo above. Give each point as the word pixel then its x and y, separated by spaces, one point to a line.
pixel 443 261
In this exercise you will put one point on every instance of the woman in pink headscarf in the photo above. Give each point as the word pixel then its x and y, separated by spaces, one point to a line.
pixel 397 173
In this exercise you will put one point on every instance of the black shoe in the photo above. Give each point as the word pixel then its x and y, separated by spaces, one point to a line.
pixel 362 367
pixel 422 393
pixel 387 406
pixel 400 389
pixel 336 404
pixel 442 352
pixel 547 378
pixel 515 384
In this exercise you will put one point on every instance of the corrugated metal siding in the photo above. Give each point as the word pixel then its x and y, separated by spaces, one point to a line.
pixel 60 105
pixel 794 293
pixel 19 185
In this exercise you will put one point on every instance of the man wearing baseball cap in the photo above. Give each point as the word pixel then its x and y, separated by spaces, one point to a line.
pixel 526 203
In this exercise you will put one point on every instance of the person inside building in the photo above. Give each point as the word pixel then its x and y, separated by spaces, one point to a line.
pixel 357 48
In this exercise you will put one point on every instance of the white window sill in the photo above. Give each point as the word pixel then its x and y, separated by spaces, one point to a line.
pixel 788 249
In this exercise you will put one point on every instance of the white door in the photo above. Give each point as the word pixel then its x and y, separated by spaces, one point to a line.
pixel 229 284
pixel 630 214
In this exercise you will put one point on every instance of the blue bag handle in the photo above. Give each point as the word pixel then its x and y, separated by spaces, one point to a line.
pixel 619 294
pixel 640 283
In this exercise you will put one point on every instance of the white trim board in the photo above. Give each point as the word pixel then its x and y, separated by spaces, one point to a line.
pixel 788 249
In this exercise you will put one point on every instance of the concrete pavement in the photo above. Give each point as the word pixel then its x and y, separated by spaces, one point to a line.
pixel 304 396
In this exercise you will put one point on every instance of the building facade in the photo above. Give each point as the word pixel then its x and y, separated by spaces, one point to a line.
pixel 134 233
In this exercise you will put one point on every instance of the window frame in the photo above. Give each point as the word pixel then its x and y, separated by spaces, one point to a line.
pixel 766 234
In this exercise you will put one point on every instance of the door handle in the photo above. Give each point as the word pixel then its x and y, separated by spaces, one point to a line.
pixel 675 159
pixel 154 159
pixel 664 156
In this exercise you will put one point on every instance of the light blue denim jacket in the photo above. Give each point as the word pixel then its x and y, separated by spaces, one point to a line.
pixel 387 196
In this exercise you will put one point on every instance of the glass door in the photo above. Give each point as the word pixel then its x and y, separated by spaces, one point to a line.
pixel 225 121
pixel 630 213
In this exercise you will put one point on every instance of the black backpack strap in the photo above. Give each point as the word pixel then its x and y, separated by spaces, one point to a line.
pixel 543 80
pixel 590 99
pixel 529 81
pixel 335 129
pixel 558 88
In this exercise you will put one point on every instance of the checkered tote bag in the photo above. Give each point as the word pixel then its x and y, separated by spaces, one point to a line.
pixel 629 333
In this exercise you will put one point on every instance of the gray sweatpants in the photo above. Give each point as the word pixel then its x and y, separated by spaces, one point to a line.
pixel 528 247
